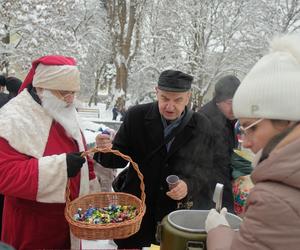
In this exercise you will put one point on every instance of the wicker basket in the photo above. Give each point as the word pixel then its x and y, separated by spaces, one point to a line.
pixel 119 230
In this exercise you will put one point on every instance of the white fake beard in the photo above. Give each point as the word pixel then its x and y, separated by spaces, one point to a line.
pixel 65 114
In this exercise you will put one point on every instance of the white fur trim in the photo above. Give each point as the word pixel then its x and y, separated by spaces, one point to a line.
pixel 57 77
pixel 25 125
pixel 84 172
pixel 52 177
pixel 75 242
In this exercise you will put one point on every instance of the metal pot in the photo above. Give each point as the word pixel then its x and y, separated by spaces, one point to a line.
pixel 185 229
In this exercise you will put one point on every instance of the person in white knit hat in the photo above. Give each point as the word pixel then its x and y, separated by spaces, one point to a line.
pixel 267 105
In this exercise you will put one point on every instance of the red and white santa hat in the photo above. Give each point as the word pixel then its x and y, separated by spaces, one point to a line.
pixel 53 72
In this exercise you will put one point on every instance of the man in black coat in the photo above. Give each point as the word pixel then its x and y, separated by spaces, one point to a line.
pixel 188 155
pixel 219 111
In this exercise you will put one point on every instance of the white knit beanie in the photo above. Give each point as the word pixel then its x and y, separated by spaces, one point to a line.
pixel 272 87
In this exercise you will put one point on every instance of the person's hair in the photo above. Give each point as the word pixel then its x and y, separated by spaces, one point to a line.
pixel 13 85
pixel 277 138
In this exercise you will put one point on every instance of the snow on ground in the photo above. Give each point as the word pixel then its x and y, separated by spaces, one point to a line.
pixel 105 114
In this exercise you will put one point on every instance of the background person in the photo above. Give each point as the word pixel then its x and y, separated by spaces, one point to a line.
pixel 40 145
pixel 219 111
pixel 12 84
pixel 2 83
pixel 241 163
pixel 189 154
pixel 265 104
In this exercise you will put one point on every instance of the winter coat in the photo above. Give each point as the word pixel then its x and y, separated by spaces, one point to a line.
pixel 272 216
pixel 223 130
pixel 190 157
pixel 4 98
pixel 33 176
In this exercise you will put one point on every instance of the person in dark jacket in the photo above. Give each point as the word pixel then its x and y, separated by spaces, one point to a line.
pixel 12 85
pixel 219 111
pixel 188 155
pixel 3 96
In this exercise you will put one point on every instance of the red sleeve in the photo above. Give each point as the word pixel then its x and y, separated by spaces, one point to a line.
pixel 18 173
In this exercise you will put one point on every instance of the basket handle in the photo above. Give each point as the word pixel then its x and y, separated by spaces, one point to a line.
pixel 125 157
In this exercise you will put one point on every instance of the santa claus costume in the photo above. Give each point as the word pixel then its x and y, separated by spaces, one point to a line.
pixel 33 168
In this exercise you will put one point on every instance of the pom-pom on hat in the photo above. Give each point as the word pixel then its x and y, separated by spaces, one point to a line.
pixel 272 87
pixel 174 81
pixel 226 87
pixel 53 72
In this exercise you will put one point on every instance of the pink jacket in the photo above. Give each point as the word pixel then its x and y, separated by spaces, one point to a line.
pixel 272 217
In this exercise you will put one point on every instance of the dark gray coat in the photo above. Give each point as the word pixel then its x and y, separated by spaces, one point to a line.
pixel 190 157
pixel 225 142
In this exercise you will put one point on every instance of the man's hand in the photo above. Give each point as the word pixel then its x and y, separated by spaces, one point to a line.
pixel 74 163
pixel 104 140
pixel 215 219
pixel 178 192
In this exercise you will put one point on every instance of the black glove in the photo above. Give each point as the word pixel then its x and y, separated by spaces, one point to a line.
pixel 74 163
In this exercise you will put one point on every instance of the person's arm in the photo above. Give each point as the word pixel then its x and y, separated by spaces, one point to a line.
pixel 119 141
pixel 26 177
pixel 269 223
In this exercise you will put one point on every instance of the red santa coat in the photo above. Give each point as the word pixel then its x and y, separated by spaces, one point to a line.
pixel 33 176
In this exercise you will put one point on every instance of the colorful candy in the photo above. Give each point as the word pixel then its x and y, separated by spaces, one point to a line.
pixel 105 215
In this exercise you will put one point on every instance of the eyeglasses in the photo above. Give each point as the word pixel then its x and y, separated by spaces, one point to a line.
pixel 62 94
pixel 251 127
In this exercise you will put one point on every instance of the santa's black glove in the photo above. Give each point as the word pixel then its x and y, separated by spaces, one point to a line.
pixel 74 163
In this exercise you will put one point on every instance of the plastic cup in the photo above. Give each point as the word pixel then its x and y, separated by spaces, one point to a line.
pixel 172 181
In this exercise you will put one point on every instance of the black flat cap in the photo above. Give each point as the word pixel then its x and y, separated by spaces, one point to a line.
pixel 174 81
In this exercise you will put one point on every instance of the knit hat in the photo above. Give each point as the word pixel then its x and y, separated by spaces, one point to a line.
pixel 272 87
pixel 13 84
pixel 174 81
pixel 53 72
pixel 226 87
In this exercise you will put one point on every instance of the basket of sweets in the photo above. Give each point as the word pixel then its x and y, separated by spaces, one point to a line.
pixel 106 215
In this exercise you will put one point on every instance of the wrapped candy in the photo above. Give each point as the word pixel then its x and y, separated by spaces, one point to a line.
pixel 110 214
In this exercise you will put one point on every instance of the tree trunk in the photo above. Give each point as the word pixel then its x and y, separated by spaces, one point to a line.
pixel 121 77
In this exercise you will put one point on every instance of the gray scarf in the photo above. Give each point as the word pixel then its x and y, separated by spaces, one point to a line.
pixel 169 126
